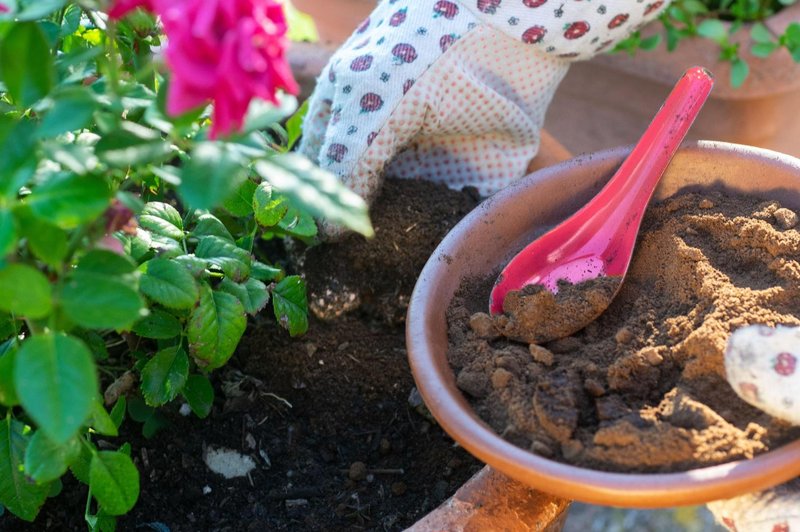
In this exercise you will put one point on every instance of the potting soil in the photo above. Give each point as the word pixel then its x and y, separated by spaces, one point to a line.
pixel 642 388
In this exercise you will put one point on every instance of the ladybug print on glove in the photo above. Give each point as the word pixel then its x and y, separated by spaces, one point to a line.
pixel 489 6
pixel 576 30
pixel 447 41
pixel 533 3
pixel 652 7
pixel 445 9
pixel 371 102
pixel 398 18
pixel 786 364
pixel 404 53
pixel 534 34
pixel 618 21
pixel 362 63
pixel 336 153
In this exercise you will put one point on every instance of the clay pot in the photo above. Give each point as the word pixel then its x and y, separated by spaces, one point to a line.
pixel 608 101
pixel 335 19
pixel 497 229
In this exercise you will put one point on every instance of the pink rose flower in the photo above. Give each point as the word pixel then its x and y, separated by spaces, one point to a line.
pixel 123 7
pixel 4 8
pixel 223 51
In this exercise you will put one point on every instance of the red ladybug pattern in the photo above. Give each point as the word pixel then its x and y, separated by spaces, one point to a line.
pixel 786 364
pixel 445 9
pixel 534 34
pixel 489 6
pixel 398 18
pixel 533 3
pixel 576 30
pixel 618 21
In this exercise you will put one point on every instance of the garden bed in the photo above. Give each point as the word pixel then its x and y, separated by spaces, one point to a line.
pixel 348 384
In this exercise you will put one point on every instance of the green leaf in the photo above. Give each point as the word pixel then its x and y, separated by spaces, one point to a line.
pixel 26 64
pixel 294 126
pixel 46 460
pixel 22 497
pixel 215 328
pixel 18 146
pixel 316 191
pixel 265 272
pixel 240 203
pixel 101 294
pixel 212 173
pixel 227 256
pixel 114 481
pixel 713 29
pixel 121 149
pixel 36 9
pixel 164 376
pixel 210 225
pixel 168 283
pixel 253 294
pixel 76 158
pixel 47 242
pixel 26 291
pixel 739 72
pixel 270 208
pixel 101 421
pixel 162 219
pixel 69 200
pixel 55 378
pixel 194 265
pixel 262 114
pixel 763 49
pixel 199 393
pixel 650 43
pixel 118 412
pixel 80 467
pixel 290 305
pixel 760 34
pixel 8 233
pixel 159 325
pixel 298 224
pixel 8 393
pixel 72 110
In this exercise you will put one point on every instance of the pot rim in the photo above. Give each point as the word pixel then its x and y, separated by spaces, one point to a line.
pixel 436 382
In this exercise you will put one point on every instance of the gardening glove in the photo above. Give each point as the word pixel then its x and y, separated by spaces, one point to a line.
pixel 761 365
pixel 453 91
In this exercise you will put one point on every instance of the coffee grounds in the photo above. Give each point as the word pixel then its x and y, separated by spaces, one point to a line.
pixel 642 388
pixel 536 315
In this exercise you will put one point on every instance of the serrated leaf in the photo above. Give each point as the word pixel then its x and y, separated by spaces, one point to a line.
pixel 265 272
pixel 164 376
pixel 212 173
pixel 162 219
pixel 159 325
pixel 75 158
pixel 240 203
pixel 215 328
pixel 194 265
pixel 210 225
pixel 72 110
pixel 253 294
pixel 199 393
pixel 46 460
pixel 270 208
pixel 19 495
pixel 122 149
pixel 290 305
pixel 56 381
pixel 25 291
pixel 114 481
pixel 227 256
pixel 316 191
pixel 69 200
pixel 168 283
pixel 101 421
pixel 80 467
pixel 24 45
pixel 8 392
pixel 101 293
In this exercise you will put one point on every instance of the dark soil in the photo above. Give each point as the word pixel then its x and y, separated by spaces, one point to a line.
pixel 351 453
pixel 643 387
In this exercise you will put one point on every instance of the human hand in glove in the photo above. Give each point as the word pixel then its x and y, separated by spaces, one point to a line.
pixel 762 366
pixel 453 91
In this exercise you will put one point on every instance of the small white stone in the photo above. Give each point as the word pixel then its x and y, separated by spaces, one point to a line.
pixel 228 463
pixel 206 490
pixel 185 409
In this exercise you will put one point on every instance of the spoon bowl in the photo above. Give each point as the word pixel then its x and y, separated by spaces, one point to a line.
pixel 598 240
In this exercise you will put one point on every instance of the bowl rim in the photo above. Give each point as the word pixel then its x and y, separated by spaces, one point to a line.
pixel 635 490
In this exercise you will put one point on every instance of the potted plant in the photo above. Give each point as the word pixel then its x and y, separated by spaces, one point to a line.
pixel 752 48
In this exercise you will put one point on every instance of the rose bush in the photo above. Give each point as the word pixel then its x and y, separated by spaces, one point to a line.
pixel 132 214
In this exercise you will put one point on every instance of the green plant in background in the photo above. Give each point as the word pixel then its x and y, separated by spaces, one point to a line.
pixel 130 245
pixel 720 21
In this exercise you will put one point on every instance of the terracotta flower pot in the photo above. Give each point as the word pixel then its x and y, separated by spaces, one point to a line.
pixel 335 19
pixel 607 101
pixel 487 238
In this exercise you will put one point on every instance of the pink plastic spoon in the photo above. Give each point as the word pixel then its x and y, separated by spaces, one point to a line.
pixel 598 240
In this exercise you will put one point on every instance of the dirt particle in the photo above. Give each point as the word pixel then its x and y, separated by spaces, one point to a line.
pixel 483 326
pixel 653 355
pixel 357 471
pixel 624 336
pixel 399 488
pixel 594 387
pixel 542 355
pixel 706 203
pixel 785 218
pixel 500 378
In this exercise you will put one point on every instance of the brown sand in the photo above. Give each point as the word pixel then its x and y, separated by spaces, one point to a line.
pixel 642 388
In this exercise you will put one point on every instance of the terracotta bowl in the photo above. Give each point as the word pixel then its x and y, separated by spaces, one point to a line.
pixel 497 229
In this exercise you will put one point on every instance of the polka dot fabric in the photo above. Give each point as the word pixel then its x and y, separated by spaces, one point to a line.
pixel 453 91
